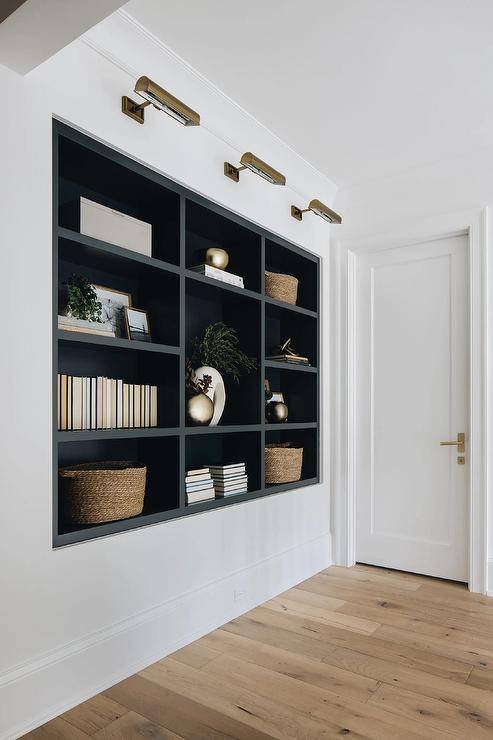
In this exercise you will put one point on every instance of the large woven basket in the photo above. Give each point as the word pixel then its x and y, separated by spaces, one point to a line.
pixel 282 463
pixel 103 491
pixel 281 287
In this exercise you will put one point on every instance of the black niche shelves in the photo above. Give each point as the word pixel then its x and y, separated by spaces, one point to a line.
pixel 181 304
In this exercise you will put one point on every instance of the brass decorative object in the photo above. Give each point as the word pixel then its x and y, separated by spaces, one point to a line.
pixel 320 209
pixel 200 409
pixel 217 257
pixel 276 412
pixel 254 164
pixel 161 99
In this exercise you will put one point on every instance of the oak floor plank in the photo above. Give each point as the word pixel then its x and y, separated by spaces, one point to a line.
pixel 482 678
pixel 333 636
pixel 262 714
pixel 349 716
pixel 196 655
pixel 177 712
pixel 94 714
pixel 318 614
pixel 133 725
pixel 57 729
pixel 316 673
pixel 433 713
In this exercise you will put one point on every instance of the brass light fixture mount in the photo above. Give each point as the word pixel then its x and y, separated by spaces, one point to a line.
pixel 161 99
pixel 254 164
pixel 320 209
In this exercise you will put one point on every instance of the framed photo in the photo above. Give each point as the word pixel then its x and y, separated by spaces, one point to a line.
pixel 277 397
pixel 137 323
pixel 113 303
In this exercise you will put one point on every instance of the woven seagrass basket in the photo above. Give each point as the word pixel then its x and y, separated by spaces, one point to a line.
pixel 282 463
pixel 281 287
pixel 103 491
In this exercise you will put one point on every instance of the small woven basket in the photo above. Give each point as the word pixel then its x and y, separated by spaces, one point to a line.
pixel 282 463
pixel 103 491
pixel 281 287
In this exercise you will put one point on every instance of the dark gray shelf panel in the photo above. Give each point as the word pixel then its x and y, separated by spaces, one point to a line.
pixel 93 434
pixel 111 253
pixel 290 366
pixel 116 343
pixel 222 286
pixel 291 486
pixel 290 425
pixel 226 429
pixel 290 307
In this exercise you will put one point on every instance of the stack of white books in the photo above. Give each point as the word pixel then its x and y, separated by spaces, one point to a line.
pixel 199 486
pixel 217 274
pixel 229 480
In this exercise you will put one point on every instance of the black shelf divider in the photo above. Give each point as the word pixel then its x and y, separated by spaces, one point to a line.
pixel 290 366
pixel 169 201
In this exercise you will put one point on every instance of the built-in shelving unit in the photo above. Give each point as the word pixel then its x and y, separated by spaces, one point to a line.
pixel 180 304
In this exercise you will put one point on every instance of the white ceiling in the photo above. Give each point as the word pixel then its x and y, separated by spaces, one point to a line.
pixel 360 88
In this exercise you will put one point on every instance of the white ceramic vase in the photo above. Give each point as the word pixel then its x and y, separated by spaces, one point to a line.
pixel 216 392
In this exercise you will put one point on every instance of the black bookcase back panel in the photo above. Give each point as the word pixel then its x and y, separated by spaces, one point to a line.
pixel 224 449
pixel 280 259
pixel 207 304
pixel 282 324
pixel 205 228
pixel 159 455
pixel 131 367
pixel 299 391
pixel 86 173
pixel 305 438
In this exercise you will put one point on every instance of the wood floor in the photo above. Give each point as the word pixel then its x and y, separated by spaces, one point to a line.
pixel 358 653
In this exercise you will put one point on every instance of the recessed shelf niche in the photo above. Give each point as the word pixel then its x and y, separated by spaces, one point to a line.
pixel 180 304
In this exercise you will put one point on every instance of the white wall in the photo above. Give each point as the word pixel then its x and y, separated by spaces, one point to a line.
pixel 75 620
pixel 415 201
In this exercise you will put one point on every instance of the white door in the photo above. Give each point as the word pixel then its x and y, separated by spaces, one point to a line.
pixel 411 395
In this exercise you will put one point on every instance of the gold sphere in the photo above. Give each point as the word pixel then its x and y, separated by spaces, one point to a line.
pixel 277 412
pixel 200 409
pixel 217 257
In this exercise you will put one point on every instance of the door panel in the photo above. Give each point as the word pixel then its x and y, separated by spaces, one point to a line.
pixel 412 393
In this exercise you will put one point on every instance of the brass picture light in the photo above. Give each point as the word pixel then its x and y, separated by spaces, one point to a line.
pixel 161 99
pixel 251 162
pixel 320 209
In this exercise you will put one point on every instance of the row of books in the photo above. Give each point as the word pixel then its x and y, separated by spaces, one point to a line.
pixel 104 403
pixel 216 481
pixel 217 274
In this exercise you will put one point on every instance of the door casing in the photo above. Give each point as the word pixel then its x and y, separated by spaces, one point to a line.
pixel 473 225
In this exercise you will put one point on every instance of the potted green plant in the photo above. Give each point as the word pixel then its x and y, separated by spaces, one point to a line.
pixel 217 352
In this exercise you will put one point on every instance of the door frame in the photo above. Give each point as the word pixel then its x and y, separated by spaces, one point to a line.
pixel 473 225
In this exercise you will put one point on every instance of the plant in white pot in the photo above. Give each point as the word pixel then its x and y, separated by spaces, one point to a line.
pixel 216 353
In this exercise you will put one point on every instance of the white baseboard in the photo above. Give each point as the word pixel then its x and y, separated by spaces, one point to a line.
pixel 489 578
pixel 35 692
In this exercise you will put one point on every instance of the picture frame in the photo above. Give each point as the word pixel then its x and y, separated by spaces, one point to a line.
pixel 113 303
pixel 137 324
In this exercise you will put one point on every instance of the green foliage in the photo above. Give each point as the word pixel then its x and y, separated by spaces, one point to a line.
pixel 219 347
pixel 82 299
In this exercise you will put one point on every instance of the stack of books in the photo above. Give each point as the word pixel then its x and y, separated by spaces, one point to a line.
pixel 104 403
pixel 199 486
pixel 229 479
pixel 217 274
